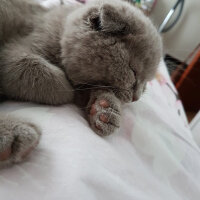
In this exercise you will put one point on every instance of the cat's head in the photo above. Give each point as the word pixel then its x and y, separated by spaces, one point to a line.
pixel 112 44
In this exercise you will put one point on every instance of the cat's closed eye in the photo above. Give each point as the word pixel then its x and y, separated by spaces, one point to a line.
pixel 135 75
pixel 132 69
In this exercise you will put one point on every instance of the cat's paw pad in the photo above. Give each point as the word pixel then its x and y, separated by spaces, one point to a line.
pixel 16 145
pixel 104 116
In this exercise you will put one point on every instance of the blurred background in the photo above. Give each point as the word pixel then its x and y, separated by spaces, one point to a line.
pixel 179 24
pixel 181 40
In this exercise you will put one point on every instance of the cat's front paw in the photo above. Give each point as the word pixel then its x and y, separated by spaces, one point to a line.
pixel 104 115
pixel 17 140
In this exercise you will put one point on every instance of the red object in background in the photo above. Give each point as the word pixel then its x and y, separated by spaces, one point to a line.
pixel 188 84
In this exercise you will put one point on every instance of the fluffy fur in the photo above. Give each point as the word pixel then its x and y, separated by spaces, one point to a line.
pixel 98 55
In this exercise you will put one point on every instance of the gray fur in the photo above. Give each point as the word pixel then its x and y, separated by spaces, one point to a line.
pixel 17 139
pixel 105 50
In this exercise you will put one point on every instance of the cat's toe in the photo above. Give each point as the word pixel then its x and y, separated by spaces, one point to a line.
pixel 104 103
pixel 104 118
pixel 93 110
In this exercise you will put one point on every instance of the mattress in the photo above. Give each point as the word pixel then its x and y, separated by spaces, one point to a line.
pixel 153 155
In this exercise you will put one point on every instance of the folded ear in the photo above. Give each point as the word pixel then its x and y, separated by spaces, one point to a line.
pixel 109 20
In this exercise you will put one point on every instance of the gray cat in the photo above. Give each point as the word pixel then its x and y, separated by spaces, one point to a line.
pixel 98 55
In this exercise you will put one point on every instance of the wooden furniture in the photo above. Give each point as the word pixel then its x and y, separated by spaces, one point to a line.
pixel 188 82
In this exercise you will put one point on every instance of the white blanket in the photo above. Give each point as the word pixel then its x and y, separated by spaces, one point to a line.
pixel 152 157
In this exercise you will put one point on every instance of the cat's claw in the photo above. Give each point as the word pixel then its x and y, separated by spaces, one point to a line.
pixel 105 115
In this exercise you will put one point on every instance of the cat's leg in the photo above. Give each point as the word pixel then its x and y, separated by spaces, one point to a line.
pixel 29 77
pixel 104 110
pixel 17 140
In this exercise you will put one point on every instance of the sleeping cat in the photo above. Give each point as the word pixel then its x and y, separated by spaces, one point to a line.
pixel 99 56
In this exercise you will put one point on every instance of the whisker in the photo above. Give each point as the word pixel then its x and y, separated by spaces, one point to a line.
pixel 93 84
pixel 85 88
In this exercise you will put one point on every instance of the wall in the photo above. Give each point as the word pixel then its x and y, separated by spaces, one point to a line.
pixel 185 36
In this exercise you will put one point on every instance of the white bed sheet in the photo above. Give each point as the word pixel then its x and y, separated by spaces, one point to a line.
pixel 152 157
